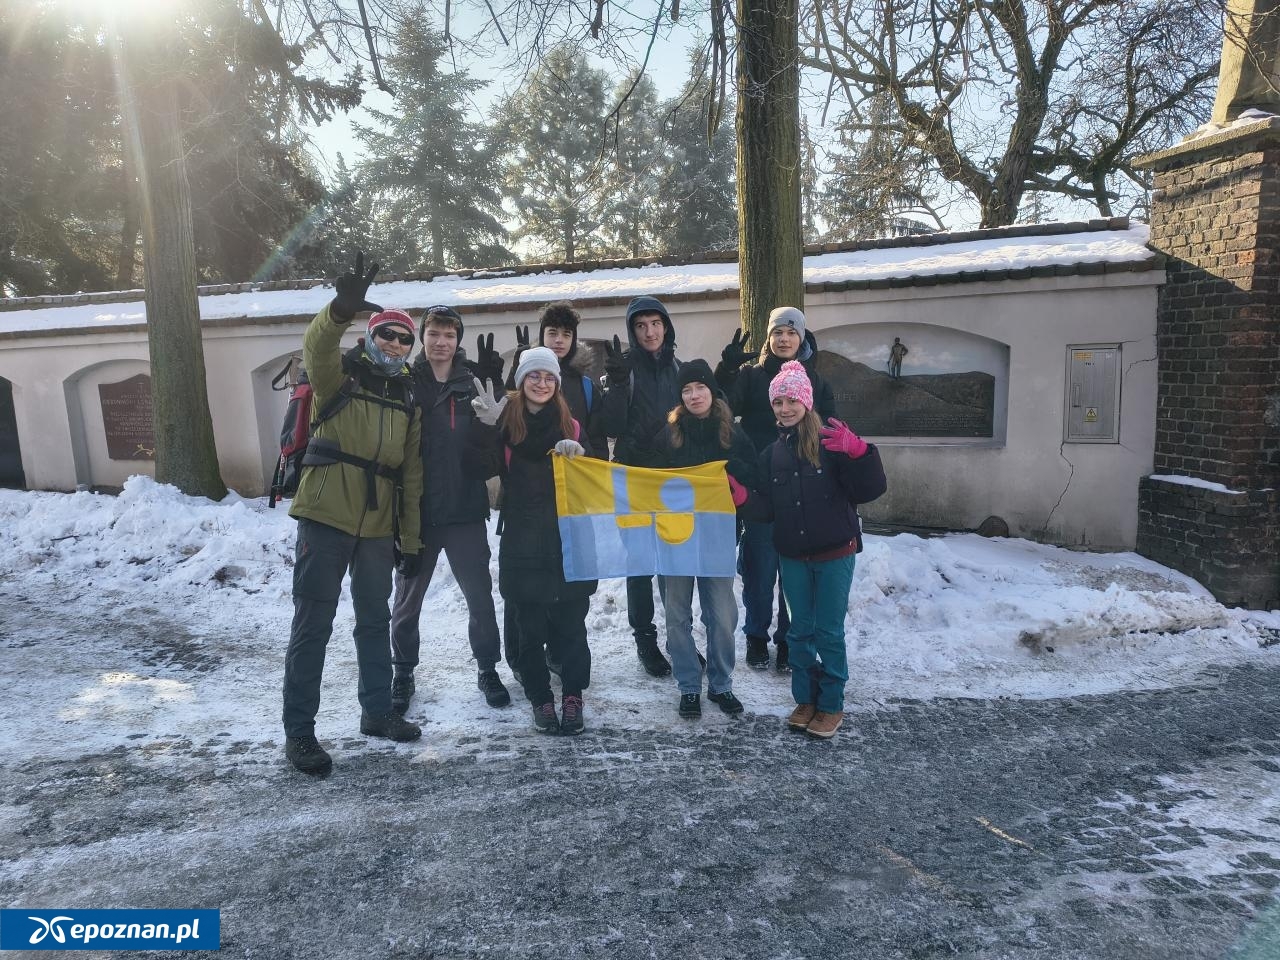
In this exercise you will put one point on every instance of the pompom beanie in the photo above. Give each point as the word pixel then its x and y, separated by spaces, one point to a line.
pixel 792 381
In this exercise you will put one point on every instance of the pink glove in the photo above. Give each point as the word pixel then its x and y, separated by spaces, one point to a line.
pixel 840 439
pixel 737 491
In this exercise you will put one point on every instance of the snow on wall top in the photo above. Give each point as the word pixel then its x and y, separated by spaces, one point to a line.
pixel 904 260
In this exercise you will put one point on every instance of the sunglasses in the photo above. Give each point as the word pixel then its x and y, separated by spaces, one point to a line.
pixel 387 334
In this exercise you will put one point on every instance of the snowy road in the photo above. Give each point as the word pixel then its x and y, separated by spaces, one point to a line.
pixel 1050 755
pixel 1127 825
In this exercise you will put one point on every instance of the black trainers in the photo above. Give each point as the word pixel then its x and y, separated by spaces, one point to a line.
pixel 727 702
pixel 571 716
pixel 490 684
pixel 544 718
pixel 651 658
pixel 758 653
pixel 402 690
pixel 690 706
pixel 392 726
pixel 306 755
pixel 783 663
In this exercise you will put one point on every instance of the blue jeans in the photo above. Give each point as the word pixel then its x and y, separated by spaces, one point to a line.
pixel 719 616
pixel 758 565
pixel 818 597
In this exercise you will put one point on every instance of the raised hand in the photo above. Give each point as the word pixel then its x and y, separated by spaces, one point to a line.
pixel 489 362
pixel 840 439
pixel 736 353
pixel 487 409
pixel 522 337
pixel 350 291
pixel 616 367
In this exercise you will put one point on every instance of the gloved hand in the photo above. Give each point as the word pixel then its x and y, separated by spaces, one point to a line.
pixel 350 290
pixel 737 491
pixel 570 449
pixel 736 353
pixel 410 565
pixel 522 337
pixel 489 362
pixel 840 439
pixel 616 367
pixel 487 409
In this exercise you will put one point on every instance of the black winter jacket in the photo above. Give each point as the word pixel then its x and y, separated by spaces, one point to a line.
pixel 590 416
pixel 635 411
pixel 530 565
pixel 702 445
pixel 813 509
pixel 456 447
pixel 747 390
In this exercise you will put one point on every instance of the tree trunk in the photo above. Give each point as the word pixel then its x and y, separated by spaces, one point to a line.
pixel 770 236
pixel 185 452
pixel 126 263
pixel 437 227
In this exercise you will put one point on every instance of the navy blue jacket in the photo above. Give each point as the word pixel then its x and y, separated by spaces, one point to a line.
pixel 747 390
pixel 455 460
pixel 813 509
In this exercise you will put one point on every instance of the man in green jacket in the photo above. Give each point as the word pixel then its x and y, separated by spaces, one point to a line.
pixel 356 506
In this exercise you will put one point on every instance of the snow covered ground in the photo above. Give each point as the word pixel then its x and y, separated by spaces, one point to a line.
pixel 190 603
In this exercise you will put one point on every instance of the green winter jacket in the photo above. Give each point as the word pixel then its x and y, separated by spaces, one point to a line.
pixel 337 494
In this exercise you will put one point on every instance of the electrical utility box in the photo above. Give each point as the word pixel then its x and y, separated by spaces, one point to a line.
pixel 1093 394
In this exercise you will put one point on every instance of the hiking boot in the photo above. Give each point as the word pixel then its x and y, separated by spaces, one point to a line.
pixel 553 666
pixel 490 684
pixel 651 658
pixel 783 663
pixel 758 653
pixel 392 726
pixel 306 755
pixel 545 719
pixel 801 716
pixel 690 706
pixel 824 725
pixel 571 716
pixel 402 690
pixel 727 702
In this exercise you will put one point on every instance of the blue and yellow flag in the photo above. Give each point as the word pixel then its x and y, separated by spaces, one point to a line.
pixel 620 521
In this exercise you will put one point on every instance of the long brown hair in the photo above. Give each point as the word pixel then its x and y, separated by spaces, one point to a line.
pixel 808 438
pixel 513 416
pixel 719 411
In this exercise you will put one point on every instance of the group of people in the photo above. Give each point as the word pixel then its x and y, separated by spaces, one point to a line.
pixel 387 485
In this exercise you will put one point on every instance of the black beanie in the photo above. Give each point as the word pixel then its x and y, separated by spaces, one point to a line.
pixel 441 312
pixel 699 371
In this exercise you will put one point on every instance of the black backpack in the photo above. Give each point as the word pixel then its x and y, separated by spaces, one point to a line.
pixel 300 421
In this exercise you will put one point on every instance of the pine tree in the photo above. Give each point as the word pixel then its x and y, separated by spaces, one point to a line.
pixel 555 175
pixel 875 181
pixel 697 202
pixel 433 168
pixel 638 160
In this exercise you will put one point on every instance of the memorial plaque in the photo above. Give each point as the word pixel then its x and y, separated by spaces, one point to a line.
pixel 127 418
pixel 879 404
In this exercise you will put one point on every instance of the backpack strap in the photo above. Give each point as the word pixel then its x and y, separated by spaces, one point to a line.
pixel 586 390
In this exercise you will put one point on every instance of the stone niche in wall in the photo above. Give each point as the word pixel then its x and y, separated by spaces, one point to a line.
pixel 914 380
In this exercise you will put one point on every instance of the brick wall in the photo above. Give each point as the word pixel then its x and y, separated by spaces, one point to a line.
pixel 1216 216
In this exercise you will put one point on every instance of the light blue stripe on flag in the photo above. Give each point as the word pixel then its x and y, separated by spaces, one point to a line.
pixel 596 548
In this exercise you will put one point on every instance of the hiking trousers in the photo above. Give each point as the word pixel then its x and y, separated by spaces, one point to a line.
pixel 323 556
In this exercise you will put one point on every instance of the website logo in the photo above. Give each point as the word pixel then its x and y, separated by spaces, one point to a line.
pixel 110 929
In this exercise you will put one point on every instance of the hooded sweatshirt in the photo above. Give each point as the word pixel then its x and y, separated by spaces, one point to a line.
pixel 636 410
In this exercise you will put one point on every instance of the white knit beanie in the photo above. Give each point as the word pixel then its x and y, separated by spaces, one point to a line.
pixel 537 358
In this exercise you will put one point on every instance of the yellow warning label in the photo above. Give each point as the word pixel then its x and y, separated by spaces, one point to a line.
pixel 1083 356
pixel 1090 414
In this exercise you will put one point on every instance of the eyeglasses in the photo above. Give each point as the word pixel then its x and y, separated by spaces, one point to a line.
pixel 387 334
pixel 541 377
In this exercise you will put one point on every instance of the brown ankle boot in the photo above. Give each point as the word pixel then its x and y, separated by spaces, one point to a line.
pixel 801 716
pixel 824 724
